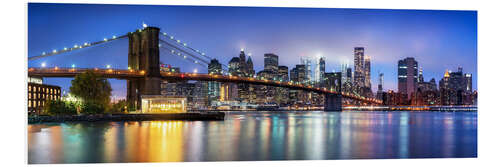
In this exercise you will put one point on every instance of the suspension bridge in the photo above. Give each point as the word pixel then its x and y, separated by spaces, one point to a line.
pixel 144 77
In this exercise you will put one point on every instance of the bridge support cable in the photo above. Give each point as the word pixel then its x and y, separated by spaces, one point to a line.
pixel 75 47
pixel 176 53
pixel 184 45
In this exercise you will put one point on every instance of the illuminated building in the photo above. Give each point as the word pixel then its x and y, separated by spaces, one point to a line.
pixel 271 62
pixel 39 93
pixel 214 68
pixel 380 89
pixel 367 71
pixel 359 74
pixel 407 76
pixel 456 88
pixel 169 68
pixel 163 104
pixel 306 61
pixel 320 70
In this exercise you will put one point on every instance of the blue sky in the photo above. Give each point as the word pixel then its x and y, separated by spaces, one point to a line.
pixel 439 40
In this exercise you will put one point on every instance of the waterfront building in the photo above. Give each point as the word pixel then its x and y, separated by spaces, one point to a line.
pixel 407 76
pixel 163 104
pixel 283 93
pixel 456 88
pixel 39 93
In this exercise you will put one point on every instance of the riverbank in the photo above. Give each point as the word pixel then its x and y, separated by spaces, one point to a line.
pixel 194 116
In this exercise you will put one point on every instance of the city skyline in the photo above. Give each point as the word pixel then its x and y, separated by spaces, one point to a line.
pixel 55 30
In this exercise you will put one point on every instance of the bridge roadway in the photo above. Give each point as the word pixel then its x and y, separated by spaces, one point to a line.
pixel 131 74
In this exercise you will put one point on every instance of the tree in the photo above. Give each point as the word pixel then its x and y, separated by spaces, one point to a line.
pixel 119 107
pixel 58 107
pixel 94 90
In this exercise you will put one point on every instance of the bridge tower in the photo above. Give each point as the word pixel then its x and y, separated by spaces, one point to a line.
pixel 143 55
pixel 333 102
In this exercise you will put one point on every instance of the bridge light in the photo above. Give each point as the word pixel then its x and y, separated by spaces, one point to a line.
pixel 55 68
pixel 43 53
pixel 173 51
pixel 171 37
pixel 65 48
pixel 203 54
pixel 165 33
pixel 73 65
pixel 54 51
pixel 75 46
pixel 108 66
pixel 85 44
pixel 114 37
pixel 195 71
pixel 159 45
pixel 178 41
pixel 184 57
pixel 105 39
pixel 196 61
pixel 43 64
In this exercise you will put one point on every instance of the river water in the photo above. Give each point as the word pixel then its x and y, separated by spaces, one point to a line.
pixel 260 136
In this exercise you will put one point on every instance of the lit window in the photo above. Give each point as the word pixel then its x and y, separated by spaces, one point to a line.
pixel 29 103
pixel 29 88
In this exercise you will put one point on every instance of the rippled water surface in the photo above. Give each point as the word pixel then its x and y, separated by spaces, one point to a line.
pixel 260 136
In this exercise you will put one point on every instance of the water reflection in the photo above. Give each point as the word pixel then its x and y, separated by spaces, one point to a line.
pixel 259 136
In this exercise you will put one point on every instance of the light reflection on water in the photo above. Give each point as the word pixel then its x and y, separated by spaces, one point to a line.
pixel 260 136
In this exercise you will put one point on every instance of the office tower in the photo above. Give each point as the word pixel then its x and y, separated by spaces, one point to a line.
pixel 468 82
pixel 367 70
pixel 214 68
pixel 349 75
pixel 243 64
pixel 407 76
pixel 306 61
pixel 271 62
pixel 251 71
pixel 359 74
pixel 343 69
pixel 380 81
pixel 320 70
pixel 283 73
pixel 420 75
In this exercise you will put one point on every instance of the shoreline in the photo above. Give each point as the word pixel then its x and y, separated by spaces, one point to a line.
pixel 195 116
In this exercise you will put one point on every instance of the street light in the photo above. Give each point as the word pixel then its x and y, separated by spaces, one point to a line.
pixel 43 64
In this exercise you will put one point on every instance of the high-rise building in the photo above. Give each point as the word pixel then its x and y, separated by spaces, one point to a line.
pixel 214 87
pixel 306 61
pixel 320 70
pixel 380 89
pixel 343 69
pixel 407 76
pixel 283 73
pixel 271 62
pixel 359 68
pixel 251 71
pixel 349 74
pixel 468 82
pixel 420 75
pixel 367 70
pixel 243 64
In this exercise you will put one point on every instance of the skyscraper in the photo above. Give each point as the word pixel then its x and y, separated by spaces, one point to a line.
pixel 367 70
pixel 407 76
pixel 468 82
pixel 380 90
pixel 359 74
pixel 320 70
pixel 343 69
pixel 214 87
pixel 271 62
pixel 420 75
pixel 306 61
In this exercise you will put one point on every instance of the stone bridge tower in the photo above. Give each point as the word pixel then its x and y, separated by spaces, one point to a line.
pixel 143 55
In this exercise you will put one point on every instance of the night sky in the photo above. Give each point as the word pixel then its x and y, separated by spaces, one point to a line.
pixel 439 40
